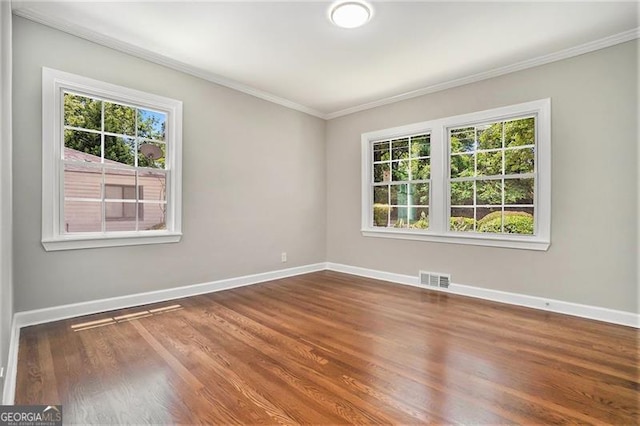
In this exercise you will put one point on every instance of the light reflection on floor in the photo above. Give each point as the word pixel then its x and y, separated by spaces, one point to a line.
pixel 127 317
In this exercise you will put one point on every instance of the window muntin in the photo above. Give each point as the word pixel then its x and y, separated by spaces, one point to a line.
pixel 95 135
pixel 400 182
pixel 492 177
pixel 109 135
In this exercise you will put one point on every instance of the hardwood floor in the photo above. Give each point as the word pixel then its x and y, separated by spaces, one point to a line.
pixel 331 348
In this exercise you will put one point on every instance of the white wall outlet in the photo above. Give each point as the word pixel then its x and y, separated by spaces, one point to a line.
pixel 284 256
pixel 1 372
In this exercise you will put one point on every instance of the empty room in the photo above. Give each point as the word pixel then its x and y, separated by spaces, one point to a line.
pixel 317 212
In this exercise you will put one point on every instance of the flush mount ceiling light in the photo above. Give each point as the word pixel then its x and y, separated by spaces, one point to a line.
pixel 350 14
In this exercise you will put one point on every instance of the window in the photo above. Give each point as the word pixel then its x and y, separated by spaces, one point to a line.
pixel 480 178
pixel 401 172
pixel 111 164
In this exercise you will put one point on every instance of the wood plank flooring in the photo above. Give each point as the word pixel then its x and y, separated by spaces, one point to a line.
pixel 331 348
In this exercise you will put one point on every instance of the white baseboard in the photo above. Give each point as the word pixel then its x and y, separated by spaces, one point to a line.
pixel 575 309
pixel 9 389
pixel 57 313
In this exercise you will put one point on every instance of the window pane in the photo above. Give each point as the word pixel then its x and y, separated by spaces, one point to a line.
pixel 381 172
pixel 81 216
pixel 119 150
pixel 381 214
pixel 381 194
pixel 462 140
pixel 399 217
pixel 123 210
pixel 490 136
pixel 113 192
pixel 489 220
pixel 489 163
pixel 82 146
pixel 80 111
pixel 489 192
pixel 82 182
pixel 462 165
pixel 419 194
pixel 518 220
pixel 151 124
pixel 119 119
pixel 400 170
pixel 519 132
pixel 129 192
pixel 519 160
pixel 420 146
pixel 421 169
pixel 381 151
pixel 152 186
pixel 518 191
pixel 152 155
pixel 461 193
pixel 398 194
pixel 400 149
pixel 154 217
pixel 461 219
pixel 115 180
pixel 419 217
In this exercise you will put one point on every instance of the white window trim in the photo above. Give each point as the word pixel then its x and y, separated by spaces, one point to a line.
pixel 439 200
pixel 54 82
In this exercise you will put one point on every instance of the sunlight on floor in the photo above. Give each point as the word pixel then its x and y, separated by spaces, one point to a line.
pixel 127 317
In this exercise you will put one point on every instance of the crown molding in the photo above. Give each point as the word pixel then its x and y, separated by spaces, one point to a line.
pixel 496 72
pixel 78 31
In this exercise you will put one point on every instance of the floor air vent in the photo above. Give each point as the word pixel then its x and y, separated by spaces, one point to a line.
pixel 435 279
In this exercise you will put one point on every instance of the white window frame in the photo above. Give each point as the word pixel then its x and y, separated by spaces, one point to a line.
pixel 439 189
pixel 54 84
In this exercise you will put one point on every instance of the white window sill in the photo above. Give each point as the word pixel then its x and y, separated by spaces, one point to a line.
pixel 505 241
pixel 84 241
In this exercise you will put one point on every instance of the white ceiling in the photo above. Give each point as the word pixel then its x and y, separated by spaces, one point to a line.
pixel 290 53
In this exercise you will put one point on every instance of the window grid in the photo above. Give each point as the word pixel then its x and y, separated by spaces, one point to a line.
pixel 503 177
pixel 408 184
pixel 135 168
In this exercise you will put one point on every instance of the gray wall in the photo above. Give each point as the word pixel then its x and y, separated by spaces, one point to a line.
pixel 593 253
pixel 253 182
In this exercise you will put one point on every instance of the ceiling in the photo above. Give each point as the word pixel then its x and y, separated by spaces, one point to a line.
pixel 289 52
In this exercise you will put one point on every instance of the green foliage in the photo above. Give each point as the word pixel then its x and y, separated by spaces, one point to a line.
pixel 515 222
pixel 86 113
pixel 422 223
pixel 461 166
pixel 467 162
pixel 519 132
pixel 461 223
pixel 381 214
pixel 518 225
pixel 400 223
pixel 489 192
pixel 498 214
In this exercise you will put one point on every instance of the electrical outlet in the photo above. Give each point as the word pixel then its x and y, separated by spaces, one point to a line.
pixel 1 372
pixel 284 256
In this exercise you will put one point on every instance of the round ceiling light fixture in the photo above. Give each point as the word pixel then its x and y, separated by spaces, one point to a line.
pixel 350 14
